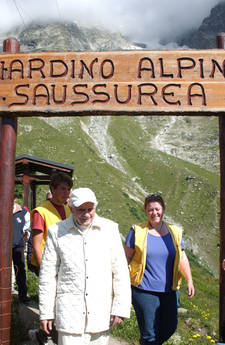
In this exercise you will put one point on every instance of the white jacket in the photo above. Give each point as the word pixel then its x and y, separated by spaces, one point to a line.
pixel 84 277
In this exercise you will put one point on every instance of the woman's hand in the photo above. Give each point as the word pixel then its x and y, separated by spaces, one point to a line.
pixel 46 326
pixel 191 289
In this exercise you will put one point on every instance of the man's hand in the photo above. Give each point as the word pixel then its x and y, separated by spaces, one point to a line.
pixel 115 320
pixel 46 326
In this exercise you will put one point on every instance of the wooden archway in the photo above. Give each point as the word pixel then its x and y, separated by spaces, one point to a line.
pixel 103 83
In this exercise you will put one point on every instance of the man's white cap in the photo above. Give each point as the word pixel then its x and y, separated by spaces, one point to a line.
pixel 81 195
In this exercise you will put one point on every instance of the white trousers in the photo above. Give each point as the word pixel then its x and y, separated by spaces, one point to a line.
pixel 101 338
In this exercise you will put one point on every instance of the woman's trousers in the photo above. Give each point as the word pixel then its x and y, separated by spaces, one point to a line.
pixel 156 314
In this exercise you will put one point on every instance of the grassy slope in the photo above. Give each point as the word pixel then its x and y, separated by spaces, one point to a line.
pixel 201 318
pixel 194 139
pixel 74 147
pixel 191 193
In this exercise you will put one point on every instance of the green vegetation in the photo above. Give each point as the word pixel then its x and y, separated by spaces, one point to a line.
pixel 32 285
pixel 199 322
pixel 191 192
pixel 199 325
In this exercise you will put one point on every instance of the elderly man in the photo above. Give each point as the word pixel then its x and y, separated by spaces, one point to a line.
pixel 84 281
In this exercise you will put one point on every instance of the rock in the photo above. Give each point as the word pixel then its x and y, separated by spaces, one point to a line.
pixel 205 36
pixel 68 36
pixel 182 311
pixel 115 341
pixel 30 316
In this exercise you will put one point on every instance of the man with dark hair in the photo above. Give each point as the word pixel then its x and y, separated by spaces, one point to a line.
pixel 49 213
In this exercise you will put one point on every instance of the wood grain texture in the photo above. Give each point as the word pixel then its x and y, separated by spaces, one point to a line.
pixel 113 83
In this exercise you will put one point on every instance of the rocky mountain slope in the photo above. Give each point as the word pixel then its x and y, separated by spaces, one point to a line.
pixel 124 158
pixel 205 36
pixel 67 36
pixel 175 138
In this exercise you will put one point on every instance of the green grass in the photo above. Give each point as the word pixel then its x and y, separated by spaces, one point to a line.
pixel 32 285
pixel 201 318
pixel 191 193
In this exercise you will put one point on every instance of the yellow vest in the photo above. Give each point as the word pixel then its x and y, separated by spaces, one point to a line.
pixel 50 216
pixel 138 262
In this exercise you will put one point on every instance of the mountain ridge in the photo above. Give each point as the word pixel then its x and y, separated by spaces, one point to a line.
pixel 124 158
pixel 68 37
pixel 205 36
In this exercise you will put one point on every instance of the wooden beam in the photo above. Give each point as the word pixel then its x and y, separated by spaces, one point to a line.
pixel 141 82
pixel 36 178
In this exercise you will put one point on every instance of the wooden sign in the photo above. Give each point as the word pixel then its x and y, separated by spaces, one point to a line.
pixel 118 82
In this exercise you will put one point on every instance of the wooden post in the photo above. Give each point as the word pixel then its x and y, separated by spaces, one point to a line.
pixel 33 195
pixel 26 186
pixel 221 45
pixel 7 177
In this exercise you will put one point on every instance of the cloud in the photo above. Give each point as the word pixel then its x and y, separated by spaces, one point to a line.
pixel 143 21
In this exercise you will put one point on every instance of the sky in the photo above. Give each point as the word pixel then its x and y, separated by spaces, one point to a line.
pixel 147 21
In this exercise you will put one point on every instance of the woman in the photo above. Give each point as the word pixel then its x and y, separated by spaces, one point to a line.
pixel 155 254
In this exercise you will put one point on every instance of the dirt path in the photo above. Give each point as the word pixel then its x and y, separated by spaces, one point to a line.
pixel 115 341
pixel 112 341
pixel 30 316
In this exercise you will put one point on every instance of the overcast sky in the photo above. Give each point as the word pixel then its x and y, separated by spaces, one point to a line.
pixel 146 21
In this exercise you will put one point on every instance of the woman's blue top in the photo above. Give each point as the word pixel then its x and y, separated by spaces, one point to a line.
pixel 158 274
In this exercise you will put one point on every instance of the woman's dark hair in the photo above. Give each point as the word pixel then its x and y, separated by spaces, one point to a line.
pixel 155 197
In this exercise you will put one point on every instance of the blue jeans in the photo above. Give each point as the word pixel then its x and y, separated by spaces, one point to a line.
pixel 156 314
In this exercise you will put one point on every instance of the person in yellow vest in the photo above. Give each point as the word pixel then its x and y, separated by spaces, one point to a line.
pixel 50 212
pixel 156 258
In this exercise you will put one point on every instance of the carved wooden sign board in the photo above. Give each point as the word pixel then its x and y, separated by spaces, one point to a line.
pixel 113 83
